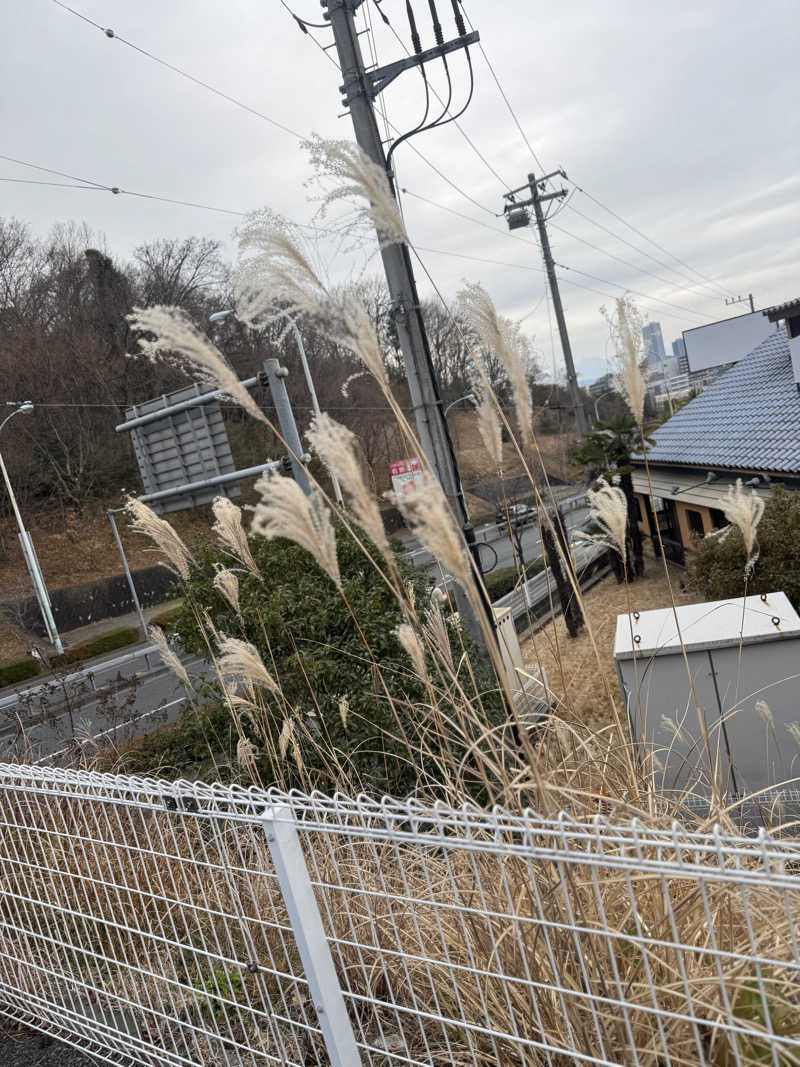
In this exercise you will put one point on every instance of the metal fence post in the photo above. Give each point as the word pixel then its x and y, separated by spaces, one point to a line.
pixel 309 933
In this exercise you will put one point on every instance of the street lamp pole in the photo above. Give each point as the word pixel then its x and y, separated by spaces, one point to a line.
pixel 452 404
pixel 219 316
pixel 28 550
pixel 608 392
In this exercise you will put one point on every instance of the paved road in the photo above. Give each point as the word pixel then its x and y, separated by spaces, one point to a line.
pixel 118 698
pixel 502 545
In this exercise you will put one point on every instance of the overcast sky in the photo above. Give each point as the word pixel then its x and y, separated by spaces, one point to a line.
pixel 682 118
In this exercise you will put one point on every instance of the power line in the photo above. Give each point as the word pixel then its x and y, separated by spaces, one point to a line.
pixel 56 185
pixel 506 233
pixel 183 73
pixel 507 102
pixel 51 170
pixel 626 262
pixel 650 240
pixel 635 292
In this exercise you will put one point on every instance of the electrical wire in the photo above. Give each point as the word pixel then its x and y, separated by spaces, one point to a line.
pixel 506 233
pixel 704 277
pixel 113 35
pixel 506 101
pixel 627 262
pixel 454 119
pixel 51 170
pixel 56 185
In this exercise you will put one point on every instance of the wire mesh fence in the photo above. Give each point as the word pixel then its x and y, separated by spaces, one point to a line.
pixel 173 924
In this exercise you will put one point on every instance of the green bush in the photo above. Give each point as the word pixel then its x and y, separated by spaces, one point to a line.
pixel 98 646
pixel 306 634
pixel 716 568
pixel 18 670
pixel 167 619
pixel 196 746
pixel 501 582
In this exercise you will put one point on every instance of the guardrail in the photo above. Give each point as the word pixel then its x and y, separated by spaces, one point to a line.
pixel 183 925
pixel 531 601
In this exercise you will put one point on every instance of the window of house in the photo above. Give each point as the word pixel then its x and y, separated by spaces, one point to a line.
pixel 640 506
pixel 718 519
pixel 695 520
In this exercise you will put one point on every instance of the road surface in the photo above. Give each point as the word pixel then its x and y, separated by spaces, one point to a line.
pixel 502 545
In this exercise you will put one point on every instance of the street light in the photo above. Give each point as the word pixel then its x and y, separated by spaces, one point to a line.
pixel 220 316
pixel 25 541
pixel 608 392
pixel 452 404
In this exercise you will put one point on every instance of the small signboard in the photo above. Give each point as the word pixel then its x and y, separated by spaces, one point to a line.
pixel 406 476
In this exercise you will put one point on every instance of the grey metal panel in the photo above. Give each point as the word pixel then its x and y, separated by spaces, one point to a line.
pixel 183 447
pixel 657 689
pixel 764 755
pixel 760 755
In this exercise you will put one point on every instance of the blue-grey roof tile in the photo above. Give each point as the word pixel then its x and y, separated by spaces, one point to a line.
pixel 748 419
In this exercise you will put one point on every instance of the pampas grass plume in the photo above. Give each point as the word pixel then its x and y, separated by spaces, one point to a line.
pixel 178 340
pixel 168 656
pixel 285 511
pixel 145 521
pixel 226 583
pixel 491 431
pixel 625 327
pixel 336 447
pixel 239 662
pixel 426 511
pixel 609 507
pixel 355 177
pixel 231 533
pixel 504 340
pixel 744 510
pixel 410 642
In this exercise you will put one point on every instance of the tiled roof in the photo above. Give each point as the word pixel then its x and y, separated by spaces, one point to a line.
pixel 749 419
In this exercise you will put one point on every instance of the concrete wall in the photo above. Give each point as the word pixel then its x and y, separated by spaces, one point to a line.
pixel 79 605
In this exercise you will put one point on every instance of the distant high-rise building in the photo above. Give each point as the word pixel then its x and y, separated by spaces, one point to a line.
pixel 679 352
pixel 653 345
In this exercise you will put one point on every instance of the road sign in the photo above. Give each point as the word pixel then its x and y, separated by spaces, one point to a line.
pixel 406 476
pixel 185 446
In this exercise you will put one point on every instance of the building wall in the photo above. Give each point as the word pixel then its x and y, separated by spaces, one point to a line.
pixel 688 537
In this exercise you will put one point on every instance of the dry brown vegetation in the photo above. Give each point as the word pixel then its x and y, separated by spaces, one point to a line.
pixel 570 663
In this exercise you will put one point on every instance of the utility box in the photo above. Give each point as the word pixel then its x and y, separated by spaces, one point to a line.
pixel 743 659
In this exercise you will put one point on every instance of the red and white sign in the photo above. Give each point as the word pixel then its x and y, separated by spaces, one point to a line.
pixel 406 476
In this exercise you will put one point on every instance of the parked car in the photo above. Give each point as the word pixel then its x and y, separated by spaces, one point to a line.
pixel 518 514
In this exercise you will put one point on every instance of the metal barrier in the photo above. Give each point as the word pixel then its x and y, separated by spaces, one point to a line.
pixel 185 925
pixel 533 597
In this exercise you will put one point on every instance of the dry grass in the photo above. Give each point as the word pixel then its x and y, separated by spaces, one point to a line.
pixel 570 663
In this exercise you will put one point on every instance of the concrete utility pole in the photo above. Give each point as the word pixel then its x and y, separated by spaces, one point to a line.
pixel 518 216
pixel 359 89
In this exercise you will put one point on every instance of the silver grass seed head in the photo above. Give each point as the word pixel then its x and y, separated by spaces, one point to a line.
pixel 176 339
pixel 239 662
pixel 168 655
pixel 353 178
pixel 145 521
pixel 285 511
pixel 609 508
pixel 336 447
pixel 231 534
